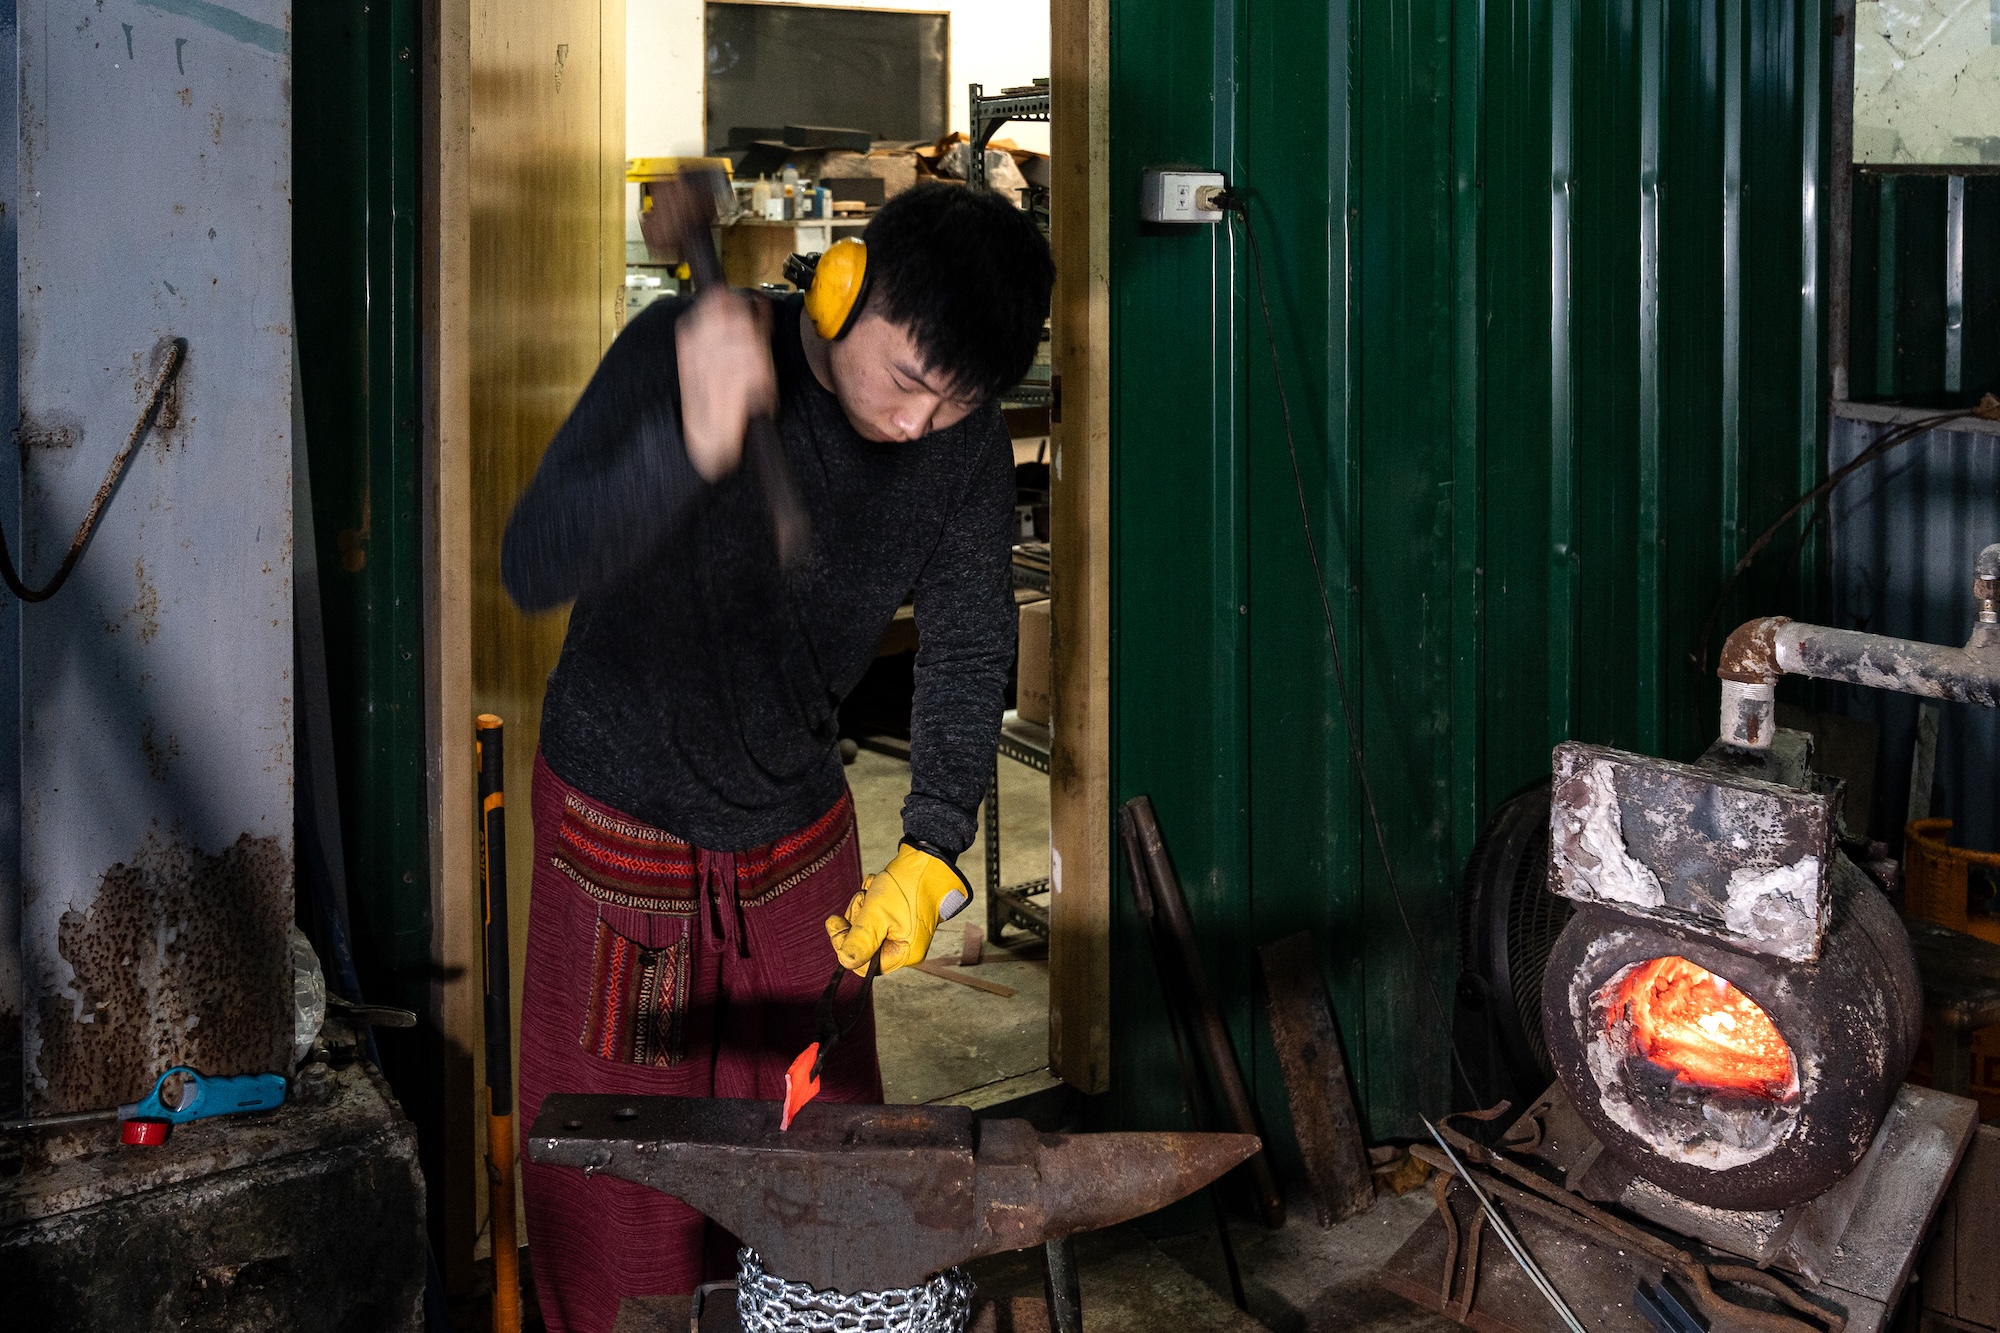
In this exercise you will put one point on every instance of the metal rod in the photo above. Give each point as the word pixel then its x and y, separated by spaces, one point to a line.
pixel 1064 1290
pixel 1226 1076
pixel 1142 896
pixel 499 1027
pixel 1506 1233
pixel 66 1118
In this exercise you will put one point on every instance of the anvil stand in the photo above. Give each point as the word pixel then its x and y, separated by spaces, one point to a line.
pixel 1849 1251
pixel 712 1308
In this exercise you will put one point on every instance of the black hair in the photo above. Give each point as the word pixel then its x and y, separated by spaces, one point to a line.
pixel 968 275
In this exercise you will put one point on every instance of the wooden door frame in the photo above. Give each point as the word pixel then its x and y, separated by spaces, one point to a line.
pixel 445 279
pixel 1080 870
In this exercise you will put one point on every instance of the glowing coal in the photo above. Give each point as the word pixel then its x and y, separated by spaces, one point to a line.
pixel 1706 1032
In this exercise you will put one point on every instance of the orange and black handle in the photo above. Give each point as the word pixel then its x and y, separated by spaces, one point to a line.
pixel 499 1028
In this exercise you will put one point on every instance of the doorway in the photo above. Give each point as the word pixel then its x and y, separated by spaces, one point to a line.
pixel 821 114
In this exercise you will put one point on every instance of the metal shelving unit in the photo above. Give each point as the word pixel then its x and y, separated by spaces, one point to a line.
pixel 1017 906
pixel 1014 905
pixel 990 113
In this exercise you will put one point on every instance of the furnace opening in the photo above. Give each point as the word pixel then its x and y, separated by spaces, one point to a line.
pixel 1703 1030
pixel 1691 1064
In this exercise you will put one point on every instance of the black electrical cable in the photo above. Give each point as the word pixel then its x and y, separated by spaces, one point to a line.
pixel 176 351
pixel 1988 410
pixel 1236 204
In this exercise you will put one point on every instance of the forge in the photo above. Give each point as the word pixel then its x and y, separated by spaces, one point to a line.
pixel 1730 1011
pixel 1736 1035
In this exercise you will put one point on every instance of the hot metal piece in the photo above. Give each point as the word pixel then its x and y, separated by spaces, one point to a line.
pixel 865 1198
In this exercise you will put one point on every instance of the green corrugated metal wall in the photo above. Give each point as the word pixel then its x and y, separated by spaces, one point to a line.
pixel 1547 279
pixel 354 232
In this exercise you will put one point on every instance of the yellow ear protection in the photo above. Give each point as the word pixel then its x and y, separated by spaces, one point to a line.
pixel 839 288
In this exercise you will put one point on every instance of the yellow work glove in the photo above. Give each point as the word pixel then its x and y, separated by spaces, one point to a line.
pixel 899 910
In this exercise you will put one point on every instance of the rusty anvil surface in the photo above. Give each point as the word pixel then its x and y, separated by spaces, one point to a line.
pixel 864 1198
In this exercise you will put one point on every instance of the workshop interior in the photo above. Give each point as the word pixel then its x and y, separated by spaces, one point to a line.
pixel 1494 810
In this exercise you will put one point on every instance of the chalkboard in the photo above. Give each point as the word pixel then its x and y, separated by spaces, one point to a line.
pixel 782 64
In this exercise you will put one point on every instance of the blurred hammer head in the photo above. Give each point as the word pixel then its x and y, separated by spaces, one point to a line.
pixel 675 215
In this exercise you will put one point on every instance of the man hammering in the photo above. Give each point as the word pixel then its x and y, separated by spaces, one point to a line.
pixel 696 870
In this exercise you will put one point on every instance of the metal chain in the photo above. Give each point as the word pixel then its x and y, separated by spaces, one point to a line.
pixel 768 1304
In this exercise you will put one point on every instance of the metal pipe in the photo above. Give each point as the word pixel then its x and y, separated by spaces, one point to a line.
pixel 1762 650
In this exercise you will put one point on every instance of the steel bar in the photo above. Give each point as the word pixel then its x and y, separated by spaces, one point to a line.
pixel 1521 1187
pixel 1226 1076
pixel 1142 895
pixel 1063 1290
pixel 865 1198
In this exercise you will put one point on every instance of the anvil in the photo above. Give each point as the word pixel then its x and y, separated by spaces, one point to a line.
pixel 866 1198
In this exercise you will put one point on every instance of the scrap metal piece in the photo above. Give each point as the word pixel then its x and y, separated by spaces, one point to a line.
pixel 1733 857
pixel 864 1198
pixel 1507 1237
pixel 1307 1039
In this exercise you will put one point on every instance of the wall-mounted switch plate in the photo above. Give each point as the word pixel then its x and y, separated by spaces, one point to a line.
pixel 1180 196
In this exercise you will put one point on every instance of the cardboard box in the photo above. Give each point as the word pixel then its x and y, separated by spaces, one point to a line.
pixel 1031 693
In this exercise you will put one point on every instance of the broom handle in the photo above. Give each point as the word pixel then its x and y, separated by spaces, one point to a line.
pixel 499 1033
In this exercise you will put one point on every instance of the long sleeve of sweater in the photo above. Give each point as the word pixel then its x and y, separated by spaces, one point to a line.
pixel 966 624
pixel 615 481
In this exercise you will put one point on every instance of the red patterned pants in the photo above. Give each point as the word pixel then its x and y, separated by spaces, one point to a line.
pixel 659 968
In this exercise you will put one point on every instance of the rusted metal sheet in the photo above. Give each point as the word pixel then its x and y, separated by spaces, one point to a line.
pixel 865 1198
pixel 156 748
pixel 1739 858
pixel 1307 1040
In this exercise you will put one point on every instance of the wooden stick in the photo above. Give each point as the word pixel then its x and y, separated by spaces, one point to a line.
pixel 500 1147
pixel 937 969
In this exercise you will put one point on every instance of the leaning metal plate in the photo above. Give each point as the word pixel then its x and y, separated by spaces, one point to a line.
pixel 1740 860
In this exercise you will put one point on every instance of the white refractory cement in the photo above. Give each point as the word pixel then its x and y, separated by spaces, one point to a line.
pixel 1741 860
pixel 1594 856
pixel 1773 904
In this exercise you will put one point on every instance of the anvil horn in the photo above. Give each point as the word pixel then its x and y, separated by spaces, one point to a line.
pixel 864 1198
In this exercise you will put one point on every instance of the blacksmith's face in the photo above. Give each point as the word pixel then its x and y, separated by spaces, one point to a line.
pixel 885 388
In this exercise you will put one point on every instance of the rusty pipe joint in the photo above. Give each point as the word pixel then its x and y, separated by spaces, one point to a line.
pixel 1760 651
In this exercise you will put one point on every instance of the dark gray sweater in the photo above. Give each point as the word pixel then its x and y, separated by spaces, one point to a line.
pixel 698 684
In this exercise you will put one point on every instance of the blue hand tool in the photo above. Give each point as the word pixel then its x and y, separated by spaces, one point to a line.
pixel 197 1097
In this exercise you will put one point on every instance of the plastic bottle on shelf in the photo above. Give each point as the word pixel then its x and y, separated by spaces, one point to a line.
pixel 760 197
pixel 790 178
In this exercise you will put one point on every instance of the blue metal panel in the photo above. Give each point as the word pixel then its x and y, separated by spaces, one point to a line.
pixel 1905 530
pixel 156 750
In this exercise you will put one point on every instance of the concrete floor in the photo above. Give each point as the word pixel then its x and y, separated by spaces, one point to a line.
pixel 1297 1279
pixel 940 1041
pixel 1302 1278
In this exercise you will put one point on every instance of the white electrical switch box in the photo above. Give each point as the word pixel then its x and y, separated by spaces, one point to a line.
pixel 1180 196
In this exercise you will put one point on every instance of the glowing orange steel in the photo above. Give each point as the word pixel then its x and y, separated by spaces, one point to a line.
pixel 1688 1020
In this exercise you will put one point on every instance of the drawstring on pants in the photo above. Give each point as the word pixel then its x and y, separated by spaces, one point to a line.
pixel 717 871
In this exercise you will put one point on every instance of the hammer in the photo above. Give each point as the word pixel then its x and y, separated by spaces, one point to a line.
pixel 683 211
